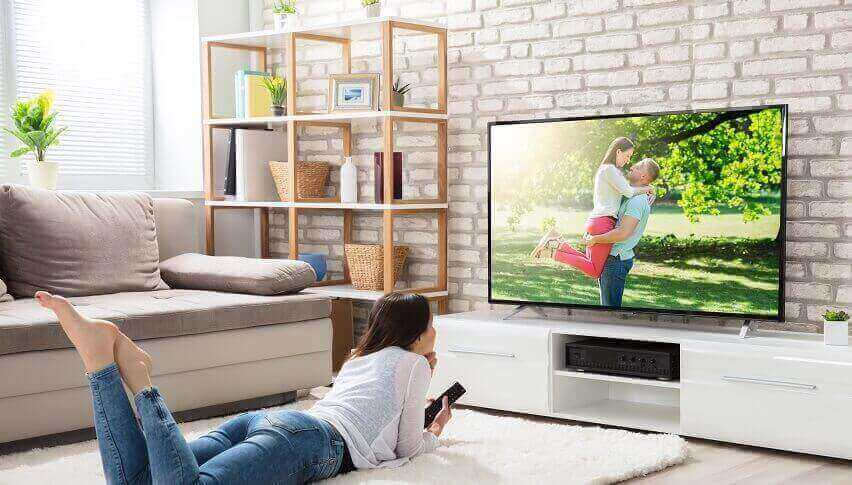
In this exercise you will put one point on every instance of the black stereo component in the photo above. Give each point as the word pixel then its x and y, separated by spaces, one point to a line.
pixel 624 357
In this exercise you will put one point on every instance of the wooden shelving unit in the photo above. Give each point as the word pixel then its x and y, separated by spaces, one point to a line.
pixel 259 44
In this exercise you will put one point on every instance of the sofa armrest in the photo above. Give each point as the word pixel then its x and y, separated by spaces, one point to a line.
pixel 177 227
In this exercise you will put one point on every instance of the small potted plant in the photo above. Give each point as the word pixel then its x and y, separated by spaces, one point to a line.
pixel 35 129
pixel 277 88
pixel 399 92
pixel 285 14
pixel 372 8
pixel 836 327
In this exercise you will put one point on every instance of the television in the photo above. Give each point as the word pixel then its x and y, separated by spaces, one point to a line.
pixel 674 212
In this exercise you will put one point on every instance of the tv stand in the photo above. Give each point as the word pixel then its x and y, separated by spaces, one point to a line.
pixel 779 390
pixel 748 329
pixel 520 308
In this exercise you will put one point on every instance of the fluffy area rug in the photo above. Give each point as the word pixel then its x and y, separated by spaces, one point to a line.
pixel 476 447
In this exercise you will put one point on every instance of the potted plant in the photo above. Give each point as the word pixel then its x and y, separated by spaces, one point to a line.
pixel 399 92
pixel 285 14
pixel 836 327
pixel 372 8
pixel 34 127
pixel 277 88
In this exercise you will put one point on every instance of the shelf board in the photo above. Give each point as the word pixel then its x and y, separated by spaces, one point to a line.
pixel 325 205
pixel 348 292
pixel 627 414
pixel 348 29
pixel 280 120
pixel 612 378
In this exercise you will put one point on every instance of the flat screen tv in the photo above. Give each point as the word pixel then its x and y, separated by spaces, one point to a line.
pixel 679 212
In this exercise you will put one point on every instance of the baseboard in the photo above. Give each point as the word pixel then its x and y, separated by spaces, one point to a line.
pixel 213 411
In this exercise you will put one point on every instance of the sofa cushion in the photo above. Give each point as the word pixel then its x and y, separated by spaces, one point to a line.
pixel 25 326
pixel 77 243
pixel 239 275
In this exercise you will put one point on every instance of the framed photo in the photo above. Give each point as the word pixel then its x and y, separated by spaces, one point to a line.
pixel 353 92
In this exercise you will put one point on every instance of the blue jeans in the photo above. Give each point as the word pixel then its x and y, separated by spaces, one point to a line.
pixel 612 280
pixel 280 447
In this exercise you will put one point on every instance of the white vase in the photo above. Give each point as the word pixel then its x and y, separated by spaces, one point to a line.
pixel 373 11
pixel 835 333
pixel 43 175
pixel 348 182
pixel 286 21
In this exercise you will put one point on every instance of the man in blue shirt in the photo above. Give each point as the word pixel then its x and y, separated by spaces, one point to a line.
pixel 632 219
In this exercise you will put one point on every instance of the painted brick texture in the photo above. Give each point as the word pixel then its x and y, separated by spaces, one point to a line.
pixel 517 59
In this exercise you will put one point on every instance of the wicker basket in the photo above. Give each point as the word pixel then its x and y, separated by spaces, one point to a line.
pixel 310 178
pixel 366 264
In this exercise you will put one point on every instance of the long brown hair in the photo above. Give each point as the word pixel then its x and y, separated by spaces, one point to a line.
pixel 621 143
pixel 397 319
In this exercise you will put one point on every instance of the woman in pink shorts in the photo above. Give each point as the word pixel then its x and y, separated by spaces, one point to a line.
pixel 610 186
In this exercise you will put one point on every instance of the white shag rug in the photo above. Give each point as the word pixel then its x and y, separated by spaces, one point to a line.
pixel 476 448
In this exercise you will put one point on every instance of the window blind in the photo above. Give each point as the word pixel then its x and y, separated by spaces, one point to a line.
pixel 95 56
pixel 4 103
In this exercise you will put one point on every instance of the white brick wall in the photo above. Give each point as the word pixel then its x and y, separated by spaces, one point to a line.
pixel 514 59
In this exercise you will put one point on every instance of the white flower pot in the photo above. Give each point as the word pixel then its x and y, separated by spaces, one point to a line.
pixel 373 11
pixel 836 333
pixel 286 21
pixel 43 175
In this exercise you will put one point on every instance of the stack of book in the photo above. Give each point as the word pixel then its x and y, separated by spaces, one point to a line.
pixel 252 99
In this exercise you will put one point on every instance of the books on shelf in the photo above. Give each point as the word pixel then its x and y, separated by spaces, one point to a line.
pixel 254 149
pixel 252 99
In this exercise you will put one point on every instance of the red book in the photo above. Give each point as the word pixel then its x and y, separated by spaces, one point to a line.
pixel 378 184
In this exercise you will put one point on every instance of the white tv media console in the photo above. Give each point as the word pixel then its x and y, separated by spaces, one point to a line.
pixel 780 390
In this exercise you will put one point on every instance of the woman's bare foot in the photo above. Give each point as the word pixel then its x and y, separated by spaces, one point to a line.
pixel 93 339
pixel 543 243
pixel 133 363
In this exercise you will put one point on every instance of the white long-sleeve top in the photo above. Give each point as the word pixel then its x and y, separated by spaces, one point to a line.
pixel 378 405
pixel 610 186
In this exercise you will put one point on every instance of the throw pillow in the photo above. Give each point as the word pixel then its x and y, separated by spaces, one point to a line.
pixel 77 243
pixel 237 275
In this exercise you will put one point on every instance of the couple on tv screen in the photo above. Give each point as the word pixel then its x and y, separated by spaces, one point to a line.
pixel 678 212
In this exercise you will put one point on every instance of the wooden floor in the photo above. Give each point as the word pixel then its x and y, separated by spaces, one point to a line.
pixel 716 463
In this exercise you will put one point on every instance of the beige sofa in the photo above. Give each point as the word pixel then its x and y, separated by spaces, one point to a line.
pixel 209 349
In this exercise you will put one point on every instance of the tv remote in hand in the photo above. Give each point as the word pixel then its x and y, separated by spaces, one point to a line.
pixel 453 394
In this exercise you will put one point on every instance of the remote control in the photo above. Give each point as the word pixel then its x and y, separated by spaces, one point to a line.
pixel 453 394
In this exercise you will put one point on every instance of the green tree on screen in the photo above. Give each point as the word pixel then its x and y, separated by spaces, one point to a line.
pixel 708 161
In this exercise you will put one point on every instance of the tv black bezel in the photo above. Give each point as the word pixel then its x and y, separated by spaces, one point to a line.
pixel 781 233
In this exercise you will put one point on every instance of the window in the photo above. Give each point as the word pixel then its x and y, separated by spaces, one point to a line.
pixel 95 56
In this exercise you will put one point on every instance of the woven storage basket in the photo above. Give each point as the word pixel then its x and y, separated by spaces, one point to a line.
pixel 366 264
pixel 310 178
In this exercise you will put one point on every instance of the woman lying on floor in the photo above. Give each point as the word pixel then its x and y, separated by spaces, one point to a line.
pixel 373 417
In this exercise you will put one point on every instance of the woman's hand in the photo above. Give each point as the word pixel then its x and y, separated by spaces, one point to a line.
pixel 589 239
pixel 652 196
pixel 444 416
pixel 433 361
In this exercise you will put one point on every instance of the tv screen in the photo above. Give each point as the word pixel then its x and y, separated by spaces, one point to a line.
pixel 665 212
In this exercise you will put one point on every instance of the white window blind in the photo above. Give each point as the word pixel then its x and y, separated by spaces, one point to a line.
pixel 95 56
pixel 4 103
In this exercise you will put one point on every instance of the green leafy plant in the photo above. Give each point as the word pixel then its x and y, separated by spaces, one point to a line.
pixel 367 3
pixel 277 88
pixel 34 126
pixel 401 89
pixel 284 7
pixel 835 316
pixel 548 223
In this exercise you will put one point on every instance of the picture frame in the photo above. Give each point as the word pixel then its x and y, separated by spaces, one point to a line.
pixel 353 92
